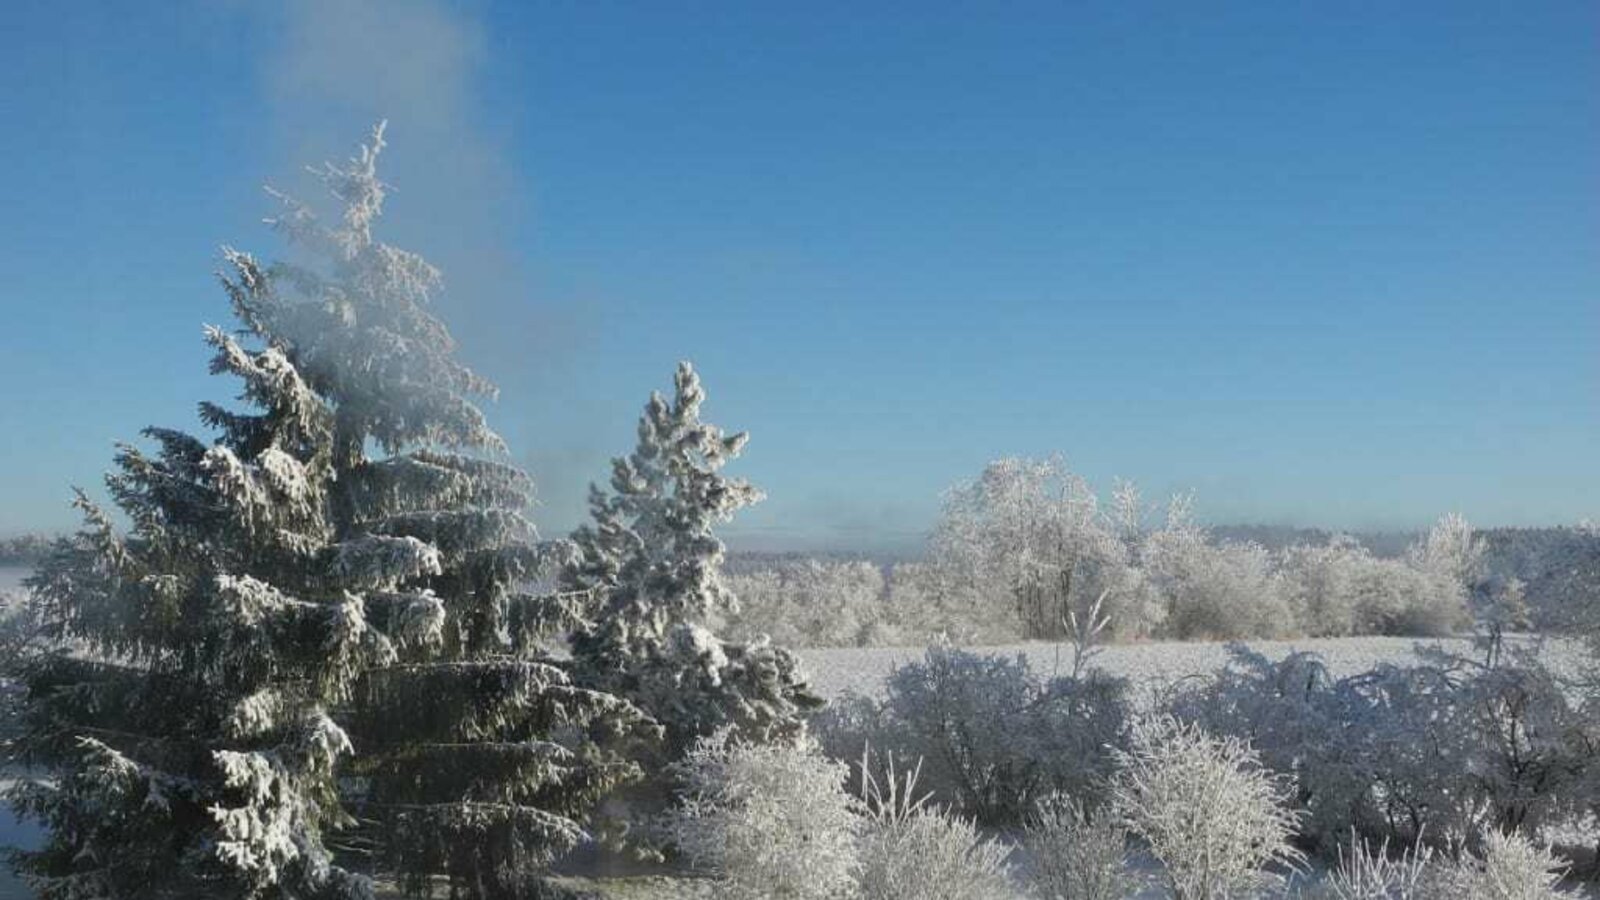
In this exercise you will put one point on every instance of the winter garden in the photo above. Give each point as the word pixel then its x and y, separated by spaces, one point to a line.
pixel 321 652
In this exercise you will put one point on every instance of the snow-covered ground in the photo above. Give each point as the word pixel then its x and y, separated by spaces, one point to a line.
pixel 834 671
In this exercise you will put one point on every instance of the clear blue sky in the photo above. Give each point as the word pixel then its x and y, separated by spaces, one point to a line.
pixel 1324 263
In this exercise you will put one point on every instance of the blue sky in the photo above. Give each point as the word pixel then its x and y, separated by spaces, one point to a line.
pixel 1324 264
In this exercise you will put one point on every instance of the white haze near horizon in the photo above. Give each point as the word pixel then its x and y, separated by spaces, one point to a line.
pixel 11 577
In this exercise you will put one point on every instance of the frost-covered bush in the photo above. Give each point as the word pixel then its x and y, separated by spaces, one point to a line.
pixel 850 725
pixel 813 603
pixel 771 820
pixel 1529 748
pixel 1446 569
pixel 912 849
pixel 1292 716
pixel 1213 815
pixel 1033 533
pixel 819 603
pixel 995 738
pixel 1417 602
pixel 1505 867
pixel 926 600
pixel 1450 549
pixel 1368 873
pixel 1215 589
pixel 1340 589
pixel 1320 583
pixel 972 720
pixel 1076 854
pixel 1402 752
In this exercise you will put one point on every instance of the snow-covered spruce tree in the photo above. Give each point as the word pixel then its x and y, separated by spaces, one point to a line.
pixel 279 587
pixel 478 754
pixel 184 714
pixel 653 562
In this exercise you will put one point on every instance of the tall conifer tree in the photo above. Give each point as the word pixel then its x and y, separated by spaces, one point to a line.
pixel 282 587
pixel 478 755
pixel 654 564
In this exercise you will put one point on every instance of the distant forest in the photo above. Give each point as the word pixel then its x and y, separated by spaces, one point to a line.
pixel 1551 562
pixel 24 549
pixel 1386 544
pixel 1555 564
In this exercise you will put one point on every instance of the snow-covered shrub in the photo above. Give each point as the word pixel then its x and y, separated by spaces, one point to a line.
pixel 1077 725
pixel 926 600
pixel 1339 588
pixel 968 717
pixel 1394 597
pixel 1529 747
pixel 1320 583
pixel 1291 713
pixel 1033 532
pixel 1402 752
pixel 914 850
pixel 813 603
pixel 1368 873
pixel 1440 574
pixel 1214 589
pixel 1075 853
pixel 1505 867
pixel 1417 602
pixel 1450 549
pixel 816 603
pixel 850 725
pixel 994 738
pixel 772 820
pixel 1213 815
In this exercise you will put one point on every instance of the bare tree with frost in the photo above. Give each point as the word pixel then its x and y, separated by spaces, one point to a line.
pixel 653 562
pixel 1033 531
pixel 1214 588
pixel 294 630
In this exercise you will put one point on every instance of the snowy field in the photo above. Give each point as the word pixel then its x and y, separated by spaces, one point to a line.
pixel 833 671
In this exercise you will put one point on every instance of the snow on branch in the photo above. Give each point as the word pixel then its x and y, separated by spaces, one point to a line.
pixel 382 562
